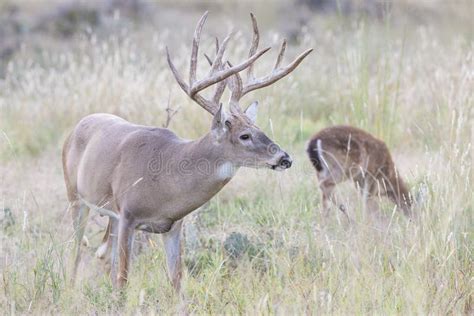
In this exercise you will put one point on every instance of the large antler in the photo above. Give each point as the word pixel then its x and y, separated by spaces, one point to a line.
pixel 217 74
pixel 235 83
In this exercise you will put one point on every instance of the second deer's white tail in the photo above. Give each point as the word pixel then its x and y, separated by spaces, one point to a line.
pixel 319 151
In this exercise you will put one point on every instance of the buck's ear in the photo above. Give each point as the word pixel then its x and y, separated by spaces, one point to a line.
pixel 251 111
pixel 218 122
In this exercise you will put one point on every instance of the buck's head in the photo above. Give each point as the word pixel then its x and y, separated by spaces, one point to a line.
pixel 241 141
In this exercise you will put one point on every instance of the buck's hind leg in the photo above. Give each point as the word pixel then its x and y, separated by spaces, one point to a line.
pixel 80 213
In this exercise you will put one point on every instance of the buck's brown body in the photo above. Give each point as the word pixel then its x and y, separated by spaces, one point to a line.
pixel 148 178
pixel 340 153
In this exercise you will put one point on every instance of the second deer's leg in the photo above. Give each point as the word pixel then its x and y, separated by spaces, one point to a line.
pixel 367 188
pixel 398 193
pixel 125 242
pixel 172 243
pixel 371 193
pixel 327 193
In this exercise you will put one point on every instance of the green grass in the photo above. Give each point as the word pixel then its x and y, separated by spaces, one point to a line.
pixel 409 85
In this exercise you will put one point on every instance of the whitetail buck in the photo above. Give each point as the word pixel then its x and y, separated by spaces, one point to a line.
pixel 148 178
pixel 342 153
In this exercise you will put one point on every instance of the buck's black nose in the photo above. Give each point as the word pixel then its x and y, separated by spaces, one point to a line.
pixel 285 162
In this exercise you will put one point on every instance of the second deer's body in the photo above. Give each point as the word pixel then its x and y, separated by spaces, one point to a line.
pixel 340 153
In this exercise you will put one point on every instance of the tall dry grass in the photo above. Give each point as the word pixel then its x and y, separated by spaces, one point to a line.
pixel 408 84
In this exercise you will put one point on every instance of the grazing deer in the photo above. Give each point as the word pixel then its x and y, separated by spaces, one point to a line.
pixel 148 178
pixel 340 153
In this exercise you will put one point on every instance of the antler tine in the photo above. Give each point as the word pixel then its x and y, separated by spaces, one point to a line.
pixel 176 75
pixel 208 59
pixel 205 104
pixel 220 71
pixel 220 87
pixel 217 45
pixel 253 48
pixel 218 92
pixel 216 64
pixel 215 75
pixel 280 55
pixel 236 87
pixel 225 73
pixel 276 75
pixel 195 49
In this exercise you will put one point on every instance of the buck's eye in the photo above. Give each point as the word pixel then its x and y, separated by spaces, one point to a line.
pixel 245 137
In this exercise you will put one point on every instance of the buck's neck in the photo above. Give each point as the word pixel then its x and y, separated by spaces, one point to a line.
pixel 210 160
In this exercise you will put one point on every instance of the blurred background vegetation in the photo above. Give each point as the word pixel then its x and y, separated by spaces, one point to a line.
pixel 403 70
pixel 373 40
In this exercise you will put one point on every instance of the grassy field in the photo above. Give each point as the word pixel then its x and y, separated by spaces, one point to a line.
pixel 407 78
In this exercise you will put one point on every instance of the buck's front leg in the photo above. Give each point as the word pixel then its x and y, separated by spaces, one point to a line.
pixel 125 243
pixel 172 243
